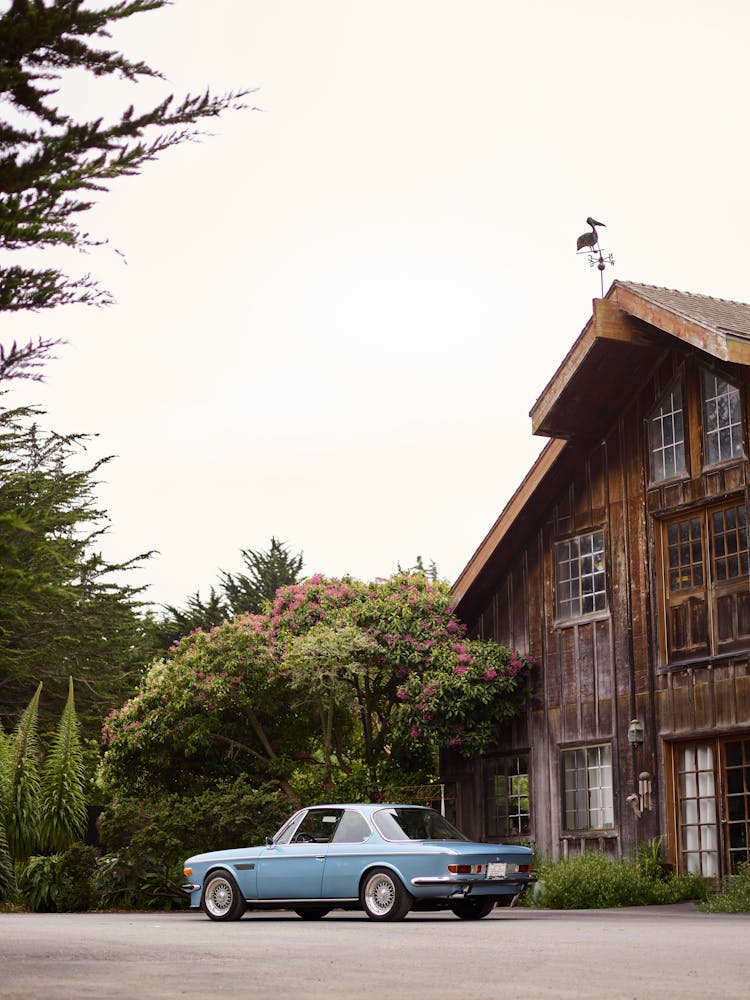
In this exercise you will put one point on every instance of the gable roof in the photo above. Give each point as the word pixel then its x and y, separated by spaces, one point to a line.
pixel 629 330
pixel 720 316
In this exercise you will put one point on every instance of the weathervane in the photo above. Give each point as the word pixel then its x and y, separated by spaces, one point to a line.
pixel 588 243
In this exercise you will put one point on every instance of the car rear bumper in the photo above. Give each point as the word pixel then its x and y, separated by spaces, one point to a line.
pixel 467 883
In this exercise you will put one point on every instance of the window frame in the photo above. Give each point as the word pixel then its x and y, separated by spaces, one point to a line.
pixel 706 373
pixel 602 807
pixel 561 619
pixel 677 383
pixel 702 593
pixel 508 766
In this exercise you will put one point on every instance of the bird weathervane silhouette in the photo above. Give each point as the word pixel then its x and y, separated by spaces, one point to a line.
pixel 588 243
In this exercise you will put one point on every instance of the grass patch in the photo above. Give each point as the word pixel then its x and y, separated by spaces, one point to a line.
pixel 734 896
pixel 595 881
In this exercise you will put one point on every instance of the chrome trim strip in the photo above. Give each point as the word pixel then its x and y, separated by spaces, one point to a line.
pixel 468 880
pixel 310 900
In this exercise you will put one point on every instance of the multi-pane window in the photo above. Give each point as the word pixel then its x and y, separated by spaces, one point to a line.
pixel 587 788
pixel 580 576
pixel 722 419
pixel 667 436
pixel 729 535
pixel 738 801
pixel 707 569
pixel 685 554
pixel 508 798
pixel 699 841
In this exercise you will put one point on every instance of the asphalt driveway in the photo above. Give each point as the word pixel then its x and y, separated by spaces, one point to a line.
pixel 514 954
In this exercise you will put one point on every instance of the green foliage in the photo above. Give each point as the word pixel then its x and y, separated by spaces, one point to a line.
pixel 39 814
pixel 58 596
pixel 52 165
pixel 63 803
pixel 39 883
pixel 22 807
pixel 734 896
pixel 461 701
pixel 239 593
pixel 334 674
pixel 148 839
pixel 60 883
pixel 217 706
pixel 595 881
pixel 7 869
pixel 265 572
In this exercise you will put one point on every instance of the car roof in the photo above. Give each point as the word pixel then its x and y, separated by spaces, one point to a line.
pixel 366 806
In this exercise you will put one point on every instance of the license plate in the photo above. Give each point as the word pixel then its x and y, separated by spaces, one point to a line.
pixel 496 870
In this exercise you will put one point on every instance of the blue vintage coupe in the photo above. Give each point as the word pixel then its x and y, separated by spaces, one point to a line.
pixel 384 859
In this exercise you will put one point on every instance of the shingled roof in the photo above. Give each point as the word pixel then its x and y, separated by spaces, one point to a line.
pixel 716 315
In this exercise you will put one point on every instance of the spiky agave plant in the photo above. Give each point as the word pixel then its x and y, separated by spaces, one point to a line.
pixel 7 876
pixel 63 801
pixel 22 809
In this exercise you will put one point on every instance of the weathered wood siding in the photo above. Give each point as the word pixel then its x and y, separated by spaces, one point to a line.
pixel 594 676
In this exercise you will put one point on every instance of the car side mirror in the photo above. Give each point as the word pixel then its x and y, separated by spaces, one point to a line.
pixel 269 841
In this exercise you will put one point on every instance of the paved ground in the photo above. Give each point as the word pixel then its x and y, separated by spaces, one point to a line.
pixel 635 954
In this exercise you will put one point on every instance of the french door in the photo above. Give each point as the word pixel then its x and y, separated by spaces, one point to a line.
pixel 712 814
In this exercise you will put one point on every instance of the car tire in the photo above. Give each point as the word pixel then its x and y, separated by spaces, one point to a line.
pixel 383 897
pixel 473 909
pixel 221 898
pixel 312 912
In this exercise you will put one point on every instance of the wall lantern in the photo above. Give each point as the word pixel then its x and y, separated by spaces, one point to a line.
pixel 635 734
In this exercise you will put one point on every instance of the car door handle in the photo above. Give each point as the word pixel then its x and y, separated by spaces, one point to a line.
pixel 320 857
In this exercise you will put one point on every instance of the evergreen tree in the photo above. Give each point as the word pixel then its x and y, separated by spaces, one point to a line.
pixel 52 165
pixel 239 593
pixel 61 614
pixel 266 571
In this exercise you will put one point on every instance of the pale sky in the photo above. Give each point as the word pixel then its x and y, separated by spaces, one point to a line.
pixel 337 312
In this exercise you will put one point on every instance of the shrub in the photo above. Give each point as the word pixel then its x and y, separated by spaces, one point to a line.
pixel 147 841
pixel 734 896
pixel 594 881
pixel 59 883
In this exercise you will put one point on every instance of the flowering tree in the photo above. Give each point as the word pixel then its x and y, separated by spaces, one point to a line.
pixel 468 692
pixel 339 684
pixel 411 683
pixel 217 705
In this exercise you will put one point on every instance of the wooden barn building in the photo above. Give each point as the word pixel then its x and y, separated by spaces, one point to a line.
pixel 621 565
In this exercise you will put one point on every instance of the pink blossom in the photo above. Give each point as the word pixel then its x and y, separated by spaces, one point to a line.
pixel 401 694
pixel 415 733
pixel 460 669
pixel 490 674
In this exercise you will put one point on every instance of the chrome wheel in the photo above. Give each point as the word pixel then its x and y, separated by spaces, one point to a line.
pixel 383 896
pixel 221 897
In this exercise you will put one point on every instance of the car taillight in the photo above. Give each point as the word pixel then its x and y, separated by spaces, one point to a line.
pixel 524 868
pixel 466 869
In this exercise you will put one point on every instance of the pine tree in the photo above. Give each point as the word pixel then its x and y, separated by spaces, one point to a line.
pixel 52 166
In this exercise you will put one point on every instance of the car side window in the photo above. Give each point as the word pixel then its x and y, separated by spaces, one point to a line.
pixel 352 829
pixel 317 827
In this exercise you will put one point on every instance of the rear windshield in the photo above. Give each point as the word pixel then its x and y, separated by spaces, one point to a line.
pixel 403 823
